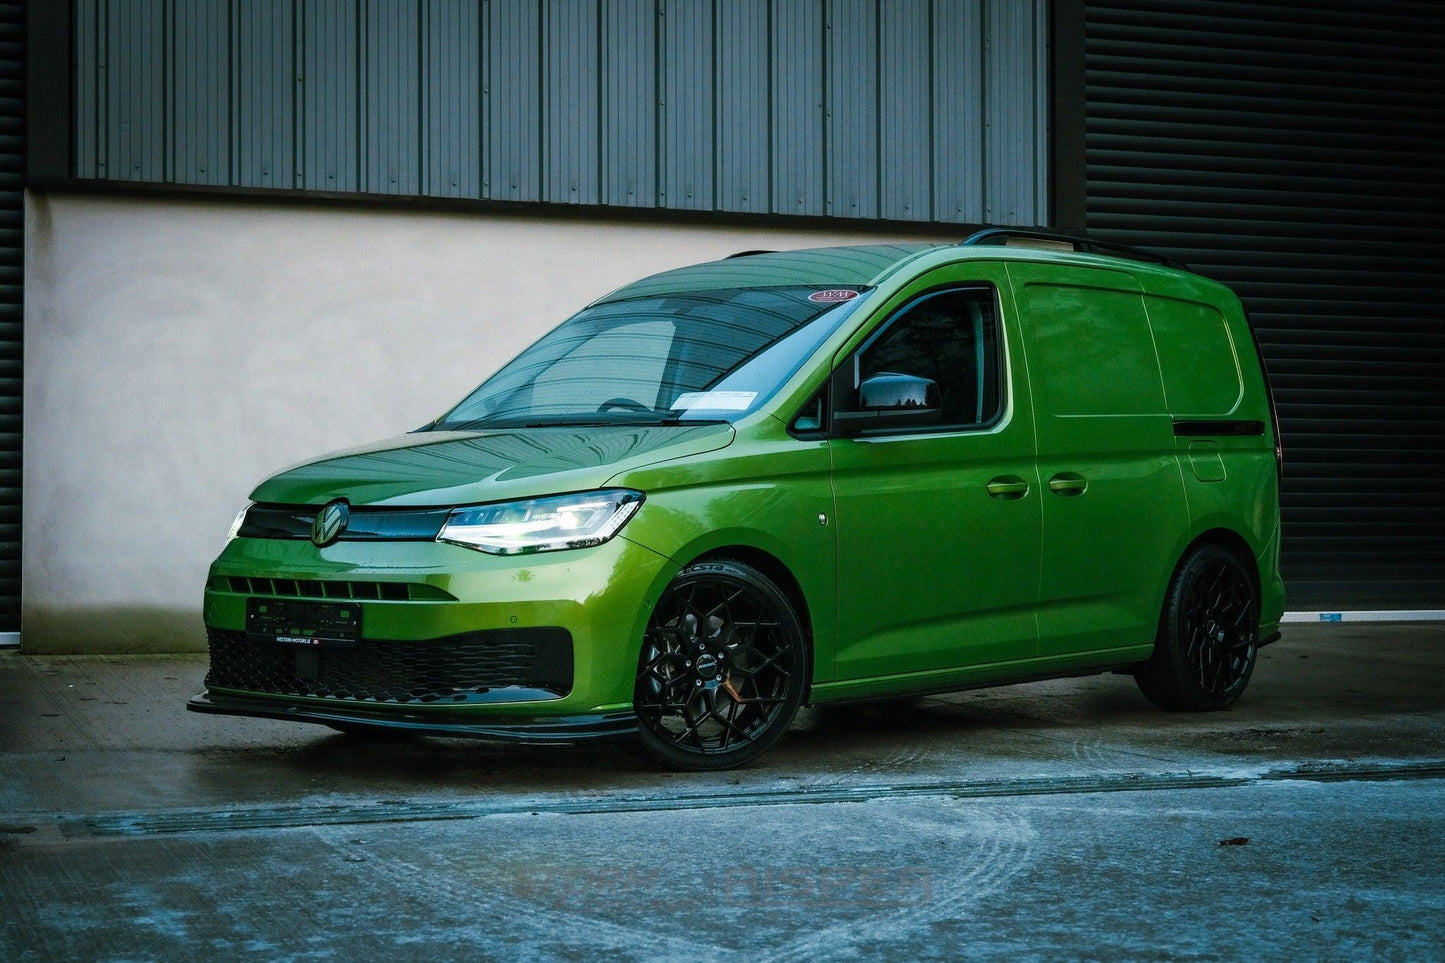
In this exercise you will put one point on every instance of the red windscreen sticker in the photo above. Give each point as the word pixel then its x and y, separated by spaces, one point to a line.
pixel 833 296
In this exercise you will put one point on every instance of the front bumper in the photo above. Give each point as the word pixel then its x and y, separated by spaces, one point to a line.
pixel 544 730
pixel 601 596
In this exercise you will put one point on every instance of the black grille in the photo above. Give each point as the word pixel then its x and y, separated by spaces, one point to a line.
pixel 457 669
pixel 364 524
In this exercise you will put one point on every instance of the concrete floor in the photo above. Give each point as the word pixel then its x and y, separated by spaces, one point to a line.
pixel 1056 819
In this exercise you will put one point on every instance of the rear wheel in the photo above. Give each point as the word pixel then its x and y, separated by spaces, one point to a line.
pixel 1208 634
pixel 722 668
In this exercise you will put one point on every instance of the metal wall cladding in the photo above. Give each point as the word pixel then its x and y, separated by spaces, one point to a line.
pixel 911 110
pixel 1293 152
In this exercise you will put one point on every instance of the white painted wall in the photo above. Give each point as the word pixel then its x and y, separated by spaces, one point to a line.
pixel 178 351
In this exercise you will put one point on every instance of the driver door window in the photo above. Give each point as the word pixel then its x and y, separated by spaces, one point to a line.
pixel 951 338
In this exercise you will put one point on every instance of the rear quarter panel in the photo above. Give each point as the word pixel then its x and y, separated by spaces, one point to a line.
pixel 1211 371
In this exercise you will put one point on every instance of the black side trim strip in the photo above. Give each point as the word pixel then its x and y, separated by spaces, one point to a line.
pixel 1190 427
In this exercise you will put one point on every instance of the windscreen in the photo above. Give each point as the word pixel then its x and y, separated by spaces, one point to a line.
pixel 678 358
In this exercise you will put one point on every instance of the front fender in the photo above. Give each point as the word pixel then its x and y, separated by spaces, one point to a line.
pixel 771 495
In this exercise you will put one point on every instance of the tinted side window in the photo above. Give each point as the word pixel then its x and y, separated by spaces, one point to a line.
pixel 1091 351
pixel 1196 354
pixel 952 338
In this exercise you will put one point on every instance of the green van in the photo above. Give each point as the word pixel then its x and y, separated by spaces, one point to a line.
pixel 784 478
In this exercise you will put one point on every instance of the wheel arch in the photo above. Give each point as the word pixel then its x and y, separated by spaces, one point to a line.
pixel 1222 536
pixel 1164 678
pixel 780 575
pixel 1229 539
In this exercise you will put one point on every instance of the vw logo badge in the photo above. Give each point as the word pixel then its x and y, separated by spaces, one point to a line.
pixel 330 523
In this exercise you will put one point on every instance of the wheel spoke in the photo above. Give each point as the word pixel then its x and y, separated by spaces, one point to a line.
pixel 768 662
pixel 650 667
pixel 724 603
pixel 693 725
pixel 730 726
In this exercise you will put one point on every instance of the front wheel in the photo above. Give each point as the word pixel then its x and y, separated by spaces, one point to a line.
pixel 722 668
pixel 1208 634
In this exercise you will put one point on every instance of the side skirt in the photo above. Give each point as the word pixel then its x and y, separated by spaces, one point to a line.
pixel 979 676
pixel 1122 662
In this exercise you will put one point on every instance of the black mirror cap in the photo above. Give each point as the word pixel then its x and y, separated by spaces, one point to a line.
pixel 887 391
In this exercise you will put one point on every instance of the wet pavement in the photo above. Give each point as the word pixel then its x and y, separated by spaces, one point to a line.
pixel 1064 818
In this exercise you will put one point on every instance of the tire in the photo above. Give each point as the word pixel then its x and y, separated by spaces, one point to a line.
pixel 1208 636
pixel 722 670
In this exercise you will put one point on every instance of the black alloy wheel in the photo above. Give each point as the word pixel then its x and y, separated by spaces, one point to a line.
pixel 1208 635
pixel 722 669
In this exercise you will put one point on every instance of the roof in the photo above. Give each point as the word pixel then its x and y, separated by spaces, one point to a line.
pixel 866 264
pixel 814 267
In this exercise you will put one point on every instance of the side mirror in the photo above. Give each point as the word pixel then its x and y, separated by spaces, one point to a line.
pixel 886 390
pixel 888 400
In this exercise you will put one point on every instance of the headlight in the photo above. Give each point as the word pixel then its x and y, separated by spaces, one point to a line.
pixel 542 524
pixel 236 525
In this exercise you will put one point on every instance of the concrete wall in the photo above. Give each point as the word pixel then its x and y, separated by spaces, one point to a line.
pixel 178 351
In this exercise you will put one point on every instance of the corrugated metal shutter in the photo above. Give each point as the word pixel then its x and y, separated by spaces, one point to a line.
pixel 1292 151
pixel 12 274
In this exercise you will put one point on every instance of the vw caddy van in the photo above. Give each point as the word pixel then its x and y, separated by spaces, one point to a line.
pixel 784 478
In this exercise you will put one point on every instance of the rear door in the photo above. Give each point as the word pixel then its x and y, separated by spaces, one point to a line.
pixel 1113 500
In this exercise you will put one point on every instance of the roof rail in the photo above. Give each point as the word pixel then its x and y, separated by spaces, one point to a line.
pixel 747 254
pixel 1001 235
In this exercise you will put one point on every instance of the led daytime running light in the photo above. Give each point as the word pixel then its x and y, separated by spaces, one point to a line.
pixel 542 524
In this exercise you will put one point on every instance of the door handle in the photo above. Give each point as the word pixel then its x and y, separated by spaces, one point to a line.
pixel 1007 486
pixel 1068 483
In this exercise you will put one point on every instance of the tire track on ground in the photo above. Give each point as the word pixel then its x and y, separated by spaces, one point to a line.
pixel 1006 851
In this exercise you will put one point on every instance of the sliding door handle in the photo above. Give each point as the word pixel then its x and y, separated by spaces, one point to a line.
pixel 1007 486
pixel 1068 483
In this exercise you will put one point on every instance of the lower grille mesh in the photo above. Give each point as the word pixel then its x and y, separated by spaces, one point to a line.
pixel 457 669
pixel 330 589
